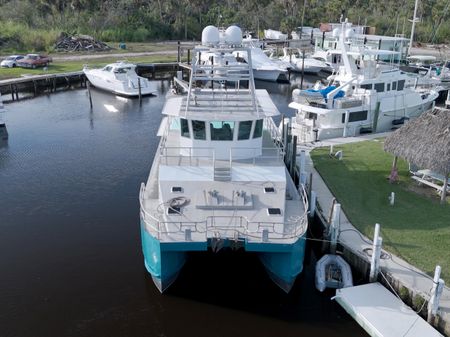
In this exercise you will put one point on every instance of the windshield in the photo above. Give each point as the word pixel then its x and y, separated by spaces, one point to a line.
pixel 10 58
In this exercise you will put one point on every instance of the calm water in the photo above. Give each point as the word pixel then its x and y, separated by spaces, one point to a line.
pixel 70 255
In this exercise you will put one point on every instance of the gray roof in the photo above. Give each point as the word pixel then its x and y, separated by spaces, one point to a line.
pixel 424 141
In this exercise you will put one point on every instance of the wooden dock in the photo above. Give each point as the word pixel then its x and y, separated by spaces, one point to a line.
pixel 39 83
pixel 48 83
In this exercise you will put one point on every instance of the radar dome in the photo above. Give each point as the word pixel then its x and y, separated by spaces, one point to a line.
pixel 336 32
pixel 233 35
pixel 349 33
pixel 210 36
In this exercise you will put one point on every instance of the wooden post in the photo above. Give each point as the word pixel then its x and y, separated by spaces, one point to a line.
pixel 179 53
pixel 312 204
pixel 347 115
pixel 12 91
pixel 16 89
pixel 375 117
pixel 140 93
pixel 88 86
pixel 376 253
pixel 303 69
pixel 54 84
pixel 436 292
pixel 444 188
pixel 330 215
pixel 335 227
pixel 294 157
pixel 189 56
pixel 35 88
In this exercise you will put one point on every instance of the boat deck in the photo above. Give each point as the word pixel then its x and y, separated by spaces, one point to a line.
pixel 235 208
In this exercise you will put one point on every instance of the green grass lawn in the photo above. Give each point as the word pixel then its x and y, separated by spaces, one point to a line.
pixel 69 66
pixel 416 228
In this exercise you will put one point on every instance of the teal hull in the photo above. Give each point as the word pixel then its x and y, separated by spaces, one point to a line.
pixel 164 261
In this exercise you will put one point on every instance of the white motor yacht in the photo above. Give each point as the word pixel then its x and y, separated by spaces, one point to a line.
pixel 264 68
pixel 121 79
pixel 363 97
pixel 309 64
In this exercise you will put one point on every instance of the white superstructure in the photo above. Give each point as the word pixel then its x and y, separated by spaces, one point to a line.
pixel 363 97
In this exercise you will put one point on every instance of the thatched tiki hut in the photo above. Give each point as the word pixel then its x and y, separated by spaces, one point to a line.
pixel 424 142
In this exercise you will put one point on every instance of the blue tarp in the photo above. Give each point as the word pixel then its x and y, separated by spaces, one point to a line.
pixel 324 92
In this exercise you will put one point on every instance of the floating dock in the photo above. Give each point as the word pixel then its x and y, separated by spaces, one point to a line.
pixel 381 314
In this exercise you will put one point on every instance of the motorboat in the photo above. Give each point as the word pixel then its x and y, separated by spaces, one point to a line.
pixel 218 179
pixel 364 96
pixel 121 79
pixel 307 64
pixel 264 68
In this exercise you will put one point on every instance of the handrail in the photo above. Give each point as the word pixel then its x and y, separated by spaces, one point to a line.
pixel 244 223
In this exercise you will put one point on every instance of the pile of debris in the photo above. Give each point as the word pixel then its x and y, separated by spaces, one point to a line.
pixel 66 43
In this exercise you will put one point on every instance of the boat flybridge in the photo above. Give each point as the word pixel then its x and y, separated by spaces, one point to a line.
pixel 218 178
pixel 364 96
pixel 121 79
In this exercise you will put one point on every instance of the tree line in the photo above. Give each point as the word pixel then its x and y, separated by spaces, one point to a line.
pixel 38 22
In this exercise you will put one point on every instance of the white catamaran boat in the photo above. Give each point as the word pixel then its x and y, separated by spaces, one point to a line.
pixel 218 178
pixel 365 97
pixel 121 79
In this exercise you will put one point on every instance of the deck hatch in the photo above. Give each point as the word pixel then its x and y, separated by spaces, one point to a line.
pixel 269 190
pixel 177 189
pixel 274 211
pixel 174 210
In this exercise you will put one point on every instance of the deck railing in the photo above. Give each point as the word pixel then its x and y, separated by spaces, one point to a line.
pixel 229 226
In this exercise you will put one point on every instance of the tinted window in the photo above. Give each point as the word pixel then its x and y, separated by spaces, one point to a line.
pixel 401 85
pixel 258 128
pixel 245 128
pixel 394 85
pixel 222 130
pixel 184 128
pixel 388 88
pixel 379 87
pixel 366 86
pixel 355 116
pixel 199 130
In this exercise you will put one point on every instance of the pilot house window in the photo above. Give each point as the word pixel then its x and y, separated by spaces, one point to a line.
pixel 258 129
pixel 245 127
pixel 221 130
pixel 199 130
pixel 184 128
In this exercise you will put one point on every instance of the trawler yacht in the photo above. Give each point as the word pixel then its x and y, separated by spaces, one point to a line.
pixel 218 179
pixel 363 97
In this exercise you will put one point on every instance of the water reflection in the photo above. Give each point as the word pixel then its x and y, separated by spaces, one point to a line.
pixel 70 242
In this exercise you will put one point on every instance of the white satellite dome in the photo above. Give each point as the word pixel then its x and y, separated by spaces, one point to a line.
pixel 336 32
pixel 233 35
pixel 349 33
pixel 210 36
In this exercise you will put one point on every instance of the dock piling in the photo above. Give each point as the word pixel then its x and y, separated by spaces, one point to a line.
pixel 335 227
pixel 376 253
pixel 312 204
pixel 140 92
pixel 436 292
pixel 88 86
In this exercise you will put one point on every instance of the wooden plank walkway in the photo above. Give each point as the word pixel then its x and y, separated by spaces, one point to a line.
pixel 25 79
pixel 381 314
